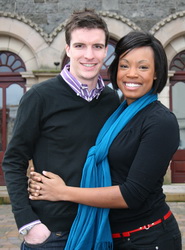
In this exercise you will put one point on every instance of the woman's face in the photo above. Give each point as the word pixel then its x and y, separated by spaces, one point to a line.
pixel 136 73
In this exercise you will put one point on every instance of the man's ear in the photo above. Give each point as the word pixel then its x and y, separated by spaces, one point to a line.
pixel 106 50
pixel 67 48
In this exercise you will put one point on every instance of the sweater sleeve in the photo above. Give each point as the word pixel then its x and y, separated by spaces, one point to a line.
pixel 19 152
pixel 159 141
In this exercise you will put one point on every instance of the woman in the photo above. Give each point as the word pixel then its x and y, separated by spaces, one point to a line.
pixel 138 153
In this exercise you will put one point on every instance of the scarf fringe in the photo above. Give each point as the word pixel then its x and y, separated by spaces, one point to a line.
pixel 103 246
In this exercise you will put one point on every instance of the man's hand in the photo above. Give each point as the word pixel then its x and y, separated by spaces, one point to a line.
pixel 38 234
pixel 33 182
pixel 48 186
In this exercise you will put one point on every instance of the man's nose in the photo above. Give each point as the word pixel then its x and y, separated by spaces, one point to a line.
pixel 89 53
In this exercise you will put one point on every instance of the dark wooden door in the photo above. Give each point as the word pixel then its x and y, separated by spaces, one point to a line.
pixel 178 167
pixel 177 105
pixel 12 87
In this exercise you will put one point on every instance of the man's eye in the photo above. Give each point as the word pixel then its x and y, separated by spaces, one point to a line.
pixel 78 46
pixel 98 46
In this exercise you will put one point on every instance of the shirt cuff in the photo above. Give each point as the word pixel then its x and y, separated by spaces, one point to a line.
pixel 33 223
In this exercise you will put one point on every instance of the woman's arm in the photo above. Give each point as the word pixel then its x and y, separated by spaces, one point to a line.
pixel 51 187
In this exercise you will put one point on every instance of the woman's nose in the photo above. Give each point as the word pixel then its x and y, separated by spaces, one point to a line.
pixel 132 72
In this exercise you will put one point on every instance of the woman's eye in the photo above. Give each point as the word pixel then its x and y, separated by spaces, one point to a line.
pixel 123 66
pixel 143 67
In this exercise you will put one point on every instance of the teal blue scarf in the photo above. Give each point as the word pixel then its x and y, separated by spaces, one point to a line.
pixel 91 229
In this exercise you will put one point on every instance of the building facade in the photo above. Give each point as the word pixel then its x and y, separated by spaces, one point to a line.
pixel 32 49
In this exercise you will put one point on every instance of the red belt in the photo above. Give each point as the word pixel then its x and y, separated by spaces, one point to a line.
pixel 146 227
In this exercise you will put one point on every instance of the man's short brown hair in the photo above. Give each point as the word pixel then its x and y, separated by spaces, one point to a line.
pixel 86 18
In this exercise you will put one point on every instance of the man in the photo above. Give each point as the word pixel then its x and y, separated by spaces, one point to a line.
pixel 57 122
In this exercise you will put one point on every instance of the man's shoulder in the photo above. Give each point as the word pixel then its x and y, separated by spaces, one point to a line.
pixel 109 89
pixel 50 86
pixel 111 93
pixel 48 83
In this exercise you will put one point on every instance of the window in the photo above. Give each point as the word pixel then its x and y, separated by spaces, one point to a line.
pixel 10 62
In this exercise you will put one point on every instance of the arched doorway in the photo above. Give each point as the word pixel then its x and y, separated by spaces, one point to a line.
pixel 177 105
pixel 12 87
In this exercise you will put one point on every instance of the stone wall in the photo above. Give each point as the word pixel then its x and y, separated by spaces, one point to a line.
pixel 48 14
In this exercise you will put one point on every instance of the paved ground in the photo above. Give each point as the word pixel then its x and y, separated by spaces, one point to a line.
pixel 10 238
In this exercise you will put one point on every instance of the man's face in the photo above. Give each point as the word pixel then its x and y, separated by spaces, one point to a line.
pixel 86 52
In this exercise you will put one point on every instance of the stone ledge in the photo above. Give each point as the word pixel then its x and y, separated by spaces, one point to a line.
pixel 174 192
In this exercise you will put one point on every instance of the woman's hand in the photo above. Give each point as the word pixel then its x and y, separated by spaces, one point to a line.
pixel 48 186
pixel 51 187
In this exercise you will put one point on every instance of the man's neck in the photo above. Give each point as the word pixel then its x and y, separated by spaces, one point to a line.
pixel 91 85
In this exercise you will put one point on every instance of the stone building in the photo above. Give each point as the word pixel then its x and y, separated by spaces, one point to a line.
pixel 32 46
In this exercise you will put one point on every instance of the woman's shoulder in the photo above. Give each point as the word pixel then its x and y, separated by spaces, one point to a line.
pixel 160 115
pixel 161 112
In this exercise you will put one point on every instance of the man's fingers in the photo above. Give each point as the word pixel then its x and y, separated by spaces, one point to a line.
pixel 31 182
pixel 36 197
pixel 32 169
pixel 35 194
pixel 35 176
pixel 33 197
pixel 34 186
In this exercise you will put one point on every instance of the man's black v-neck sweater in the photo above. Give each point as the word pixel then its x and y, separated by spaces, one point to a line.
pixel 55 128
